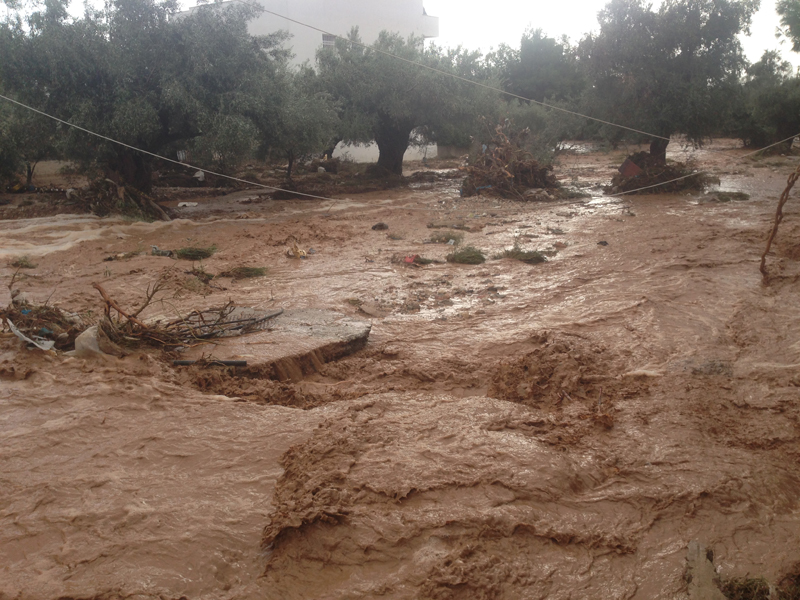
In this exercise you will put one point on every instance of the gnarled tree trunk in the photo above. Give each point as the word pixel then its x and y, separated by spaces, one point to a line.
pixel 392 139
pixel 131 168
pixel 658 150
pixel 30 168
pixel 290 166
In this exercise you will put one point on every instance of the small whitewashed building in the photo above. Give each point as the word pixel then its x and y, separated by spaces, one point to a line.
pixel 338 17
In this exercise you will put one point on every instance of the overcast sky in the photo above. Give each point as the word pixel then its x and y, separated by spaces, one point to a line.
pixel 483 24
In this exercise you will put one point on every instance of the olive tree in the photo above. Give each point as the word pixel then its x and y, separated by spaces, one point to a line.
pixel 767 109
pixel 669 70
pixel 789 11
pixel 308 121
pixel 137 74
pixel 385 99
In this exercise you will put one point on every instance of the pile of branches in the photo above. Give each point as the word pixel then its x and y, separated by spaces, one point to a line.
pixel 104 197
pixel 504 168
pixel 44 323
pixel 655 173
pixel 127 330
pixel 41 322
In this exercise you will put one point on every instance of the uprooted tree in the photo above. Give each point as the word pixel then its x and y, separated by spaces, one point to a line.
pixel 384 99
pixel 666 71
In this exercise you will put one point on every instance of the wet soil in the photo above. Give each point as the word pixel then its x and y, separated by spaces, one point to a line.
pixel 560 430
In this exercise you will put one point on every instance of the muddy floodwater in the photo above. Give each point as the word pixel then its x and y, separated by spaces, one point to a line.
pixel 559 430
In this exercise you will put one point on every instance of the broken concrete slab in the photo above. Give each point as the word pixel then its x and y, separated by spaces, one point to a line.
pixel 292 346
pixel 700 574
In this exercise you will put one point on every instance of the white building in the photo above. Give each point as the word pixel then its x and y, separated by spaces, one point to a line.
pixel 338 17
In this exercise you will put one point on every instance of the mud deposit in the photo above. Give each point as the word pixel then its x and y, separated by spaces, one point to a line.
pixel 559 430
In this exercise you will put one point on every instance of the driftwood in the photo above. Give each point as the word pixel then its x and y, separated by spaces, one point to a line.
pixel 104 197
pixel 778 218
pixel 126 329
pixel 504 168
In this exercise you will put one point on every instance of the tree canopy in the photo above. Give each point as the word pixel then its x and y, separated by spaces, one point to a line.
pixel 767 107
pixel 141 73
pixel 543 68
pixel 137 73
pixel 666 71
pixel 789 12
pixel 385 100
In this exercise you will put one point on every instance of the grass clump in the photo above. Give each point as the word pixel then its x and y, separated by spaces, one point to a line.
pixel 201 274
pixel 22 262
pixel 421 260
pixel 244 272
pixel 444 237
pixel 468 255
pixel 744 588
pixel 461 226
pixel 732 196
pixel 741 588
pixel 195 253
pixel 531 257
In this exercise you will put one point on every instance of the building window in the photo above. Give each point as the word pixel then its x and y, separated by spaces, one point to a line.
pixel 328 41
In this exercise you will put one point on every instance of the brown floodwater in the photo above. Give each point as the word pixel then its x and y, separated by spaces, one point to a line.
pixel 559 430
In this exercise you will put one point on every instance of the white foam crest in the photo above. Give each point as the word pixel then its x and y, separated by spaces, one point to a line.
pixel 63 232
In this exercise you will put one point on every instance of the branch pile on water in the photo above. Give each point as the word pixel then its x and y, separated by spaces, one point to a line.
pixel 504 168
pixel 44 322
pixel 127 330
pixel 665 178
pixel 104 197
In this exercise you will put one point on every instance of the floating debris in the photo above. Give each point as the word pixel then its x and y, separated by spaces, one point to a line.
pixel 195 253
pixel 504 168
pixel 244 272
pixel 468 255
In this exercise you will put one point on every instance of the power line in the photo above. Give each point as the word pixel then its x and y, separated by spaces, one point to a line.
pixel 414 63
pixel 411 62
pixel 277 189
pixel 177 162
pixel 512 95
pixel 466 79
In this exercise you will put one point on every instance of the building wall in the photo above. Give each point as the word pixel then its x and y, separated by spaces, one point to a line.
pixel 339 17
pixel 368 153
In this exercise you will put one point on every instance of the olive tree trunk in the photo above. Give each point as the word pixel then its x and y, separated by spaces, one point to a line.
pixel 392 140
pixel 658 150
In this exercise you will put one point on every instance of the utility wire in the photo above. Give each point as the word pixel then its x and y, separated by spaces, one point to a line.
pixel 411 62
pixel 177 162
pixel 702 172
pixel 466 79
pixel 277 189
pixel 517 96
